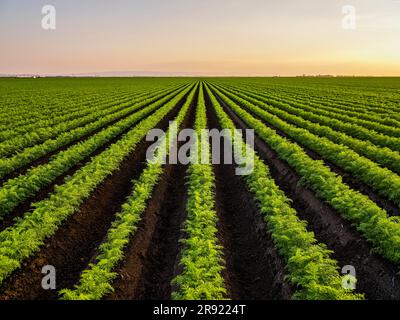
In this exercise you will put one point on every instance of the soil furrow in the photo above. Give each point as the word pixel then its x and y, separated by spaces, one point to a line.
pixel 377 277
pixel 45 159
pixel 354 183
pixel 20 210
pixel 254 270
pixel 70 249
pixel 151 257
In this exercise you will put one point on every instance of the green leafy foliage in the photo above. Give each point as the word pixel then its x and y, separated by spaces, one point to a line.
pixel 28 234
pixel 382 231
pixel 29 154
pixel 310 267
pixel 96 280
pixel 16 190
pixel 382 180
pixel 202 258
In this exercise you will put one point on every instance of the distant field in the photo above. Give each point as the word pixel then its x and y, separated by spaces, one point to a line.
pixel 322 201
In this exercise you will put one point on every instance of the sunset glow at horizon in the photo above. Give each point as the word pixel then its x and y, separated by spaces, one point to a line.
pixel 207 37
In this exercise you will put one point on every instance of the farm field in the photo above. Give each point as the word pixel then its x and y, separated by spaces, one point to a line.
pixel 77 193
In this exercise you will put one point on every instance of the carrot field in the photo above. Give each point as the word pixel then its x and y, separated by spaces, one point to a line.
pixel 77 193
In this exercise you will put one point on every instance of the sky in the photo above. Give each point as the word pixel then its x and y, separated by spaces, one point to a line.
pixel 200 37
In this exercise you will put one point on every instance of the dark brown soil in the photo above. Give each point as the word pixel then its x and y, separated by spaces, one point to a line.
pixel 73 245
pixel 348 179
pixel 377 277
pixel 254 270
pixel 44 192
pixel 46 159
pixel 151 258
pixel 148 267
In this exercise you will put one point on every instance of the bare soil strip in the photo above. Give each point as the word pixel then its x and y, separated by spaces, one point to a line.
pixel 348 179
pixel 254 270
pixel 148 267
pixel 46 159
pixel 377 277
pixel 151 258
pixel 72 247
pixel 44 192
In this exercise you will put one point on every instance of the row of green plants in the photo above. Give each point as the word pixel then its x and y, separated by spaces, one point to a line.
pixel 21 110
pixel 334 115
pixel 374 94
pixel 28 234
pixel 383 156
pixel 356 102
pixel 353 130
pixel 310 269
pixel 372 221
pixel 14 191
pixel 382 180
pixel 309 100
pixel 8 165
pixel 22 105
pixel 28 118
pixel 18 143
pixel 81 108
pixel 389 115
pixel 372 123
pixel 16 137
pixel 70 114
pixel 359 113
pixel 201 259
pixel 96 281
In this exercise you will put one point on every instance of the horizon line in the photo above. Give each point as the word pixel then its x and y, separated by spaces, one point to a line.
pixel 131 74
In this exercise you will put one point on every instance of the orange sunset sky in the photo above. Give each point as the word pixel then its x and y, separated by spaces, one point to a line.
pixel 207 37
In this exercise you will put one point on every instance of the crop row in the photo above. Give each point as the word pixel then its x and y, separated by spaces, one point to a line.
pixel 19 106
pixel 202 259
pixel 348 128
pixel 28 234
pixel 355 104
pixel 42 106
pixel 96 281
pixel 382 180
pixel 372 221
pixel 334 115
pixel 8 165
pixel 15 191
pixel 84 110
pixel 310 268
pixel 44 100
pixel 358 113
pixel 365 97
pixel 383 156
pixel 18 143
pixel 65 114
